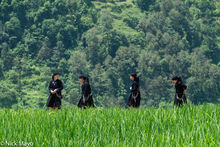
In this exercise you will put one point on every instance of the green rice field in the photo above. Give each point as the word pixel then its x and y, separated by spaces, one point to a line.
pixel 188 126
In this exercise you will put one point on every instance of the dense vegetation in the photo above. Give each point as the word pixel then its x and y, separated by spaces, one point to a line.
pixel 189 126
pixel 107 40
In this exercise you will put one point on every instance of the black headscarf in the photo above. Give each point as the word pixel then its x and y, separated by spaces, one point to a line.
pixel 84 78
pixel 179 79
pixel 55 75
pixel 136 78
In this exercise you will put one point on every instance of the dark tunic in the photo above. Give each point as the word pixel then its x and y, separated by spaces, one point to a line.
pixel 180 97
pixel 135 96
pixel 86 94
pixel 54 100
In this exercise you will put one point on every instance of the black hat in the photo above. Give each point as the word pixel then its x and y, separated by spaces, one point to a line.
pixel 176 78
pixel 136 78
pixel 82 77
pixel 133 75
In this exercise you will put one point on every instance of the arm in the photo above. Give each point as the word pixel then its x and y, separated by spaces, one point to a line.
pixel 60 87
pixel 134 87
pixel 50 88
pixel 86 90
pixel 184 87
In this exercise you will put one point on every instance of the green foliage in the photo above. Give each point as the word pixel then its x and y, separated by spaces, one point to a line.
pixel 107 40
pixel 8 95
pixel 145 5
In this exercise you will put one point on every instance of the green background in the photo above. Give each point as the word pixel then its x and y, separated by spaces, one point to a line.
pixel 107 40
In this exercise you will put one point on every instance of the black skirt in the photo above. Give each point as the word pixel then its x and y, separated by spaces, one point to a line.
pixel 53 101
pixel 180 102
pixel 89 102
pixel 134 100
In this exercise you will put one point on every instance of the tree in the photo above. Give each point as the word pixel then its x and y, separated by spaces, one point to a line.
pixel 13 27
pixel 124 63
pixel 145 5
pixel 204 82
pixel 102 87
pixel 45 50
pixel 93 46
pixel 6 57
pixel 8 95
pixel 78 64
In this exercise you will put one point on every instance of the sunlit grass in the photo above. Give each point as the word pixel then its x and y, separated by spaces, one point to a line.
pixel 188 126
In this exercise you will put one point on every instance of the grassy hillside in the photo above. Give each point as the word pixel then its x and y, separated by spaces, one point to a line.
pixel 106 40
pixel 188 126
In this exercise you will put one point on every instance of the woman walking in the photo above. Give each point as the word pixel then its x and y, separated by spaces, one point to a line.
pixel 135 96
pixel 55 88
pixel 180 96
pixel 86 100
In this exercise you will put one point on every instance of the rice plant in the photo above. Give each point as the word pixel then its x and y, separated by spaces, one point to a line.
pixel 187 126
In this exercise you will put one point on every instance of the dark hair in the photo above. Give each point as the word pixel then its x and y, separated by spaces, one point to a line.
pixel 55 75
pixel 84 78
pixel 136 78
pixel 177 78
pixel 133 74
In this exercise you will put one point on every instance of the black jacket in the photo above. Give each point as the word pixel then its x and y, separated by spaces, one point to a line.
pixel 56 85
pixel 180 87
pixel 86 89
pixel 134 87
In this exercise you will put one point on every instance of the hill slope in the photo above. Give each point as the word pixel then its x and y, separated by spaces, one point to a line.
pixel 107 40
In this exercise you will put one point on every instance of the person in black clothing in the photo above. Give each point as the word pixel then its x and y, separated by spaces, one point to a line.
pixel 180 96
pixel 55 88
pixel 86 99
pixel 135 96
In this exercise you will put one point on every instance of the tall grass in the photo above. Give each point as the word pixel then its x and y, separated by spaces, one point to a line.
pixel 188 126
